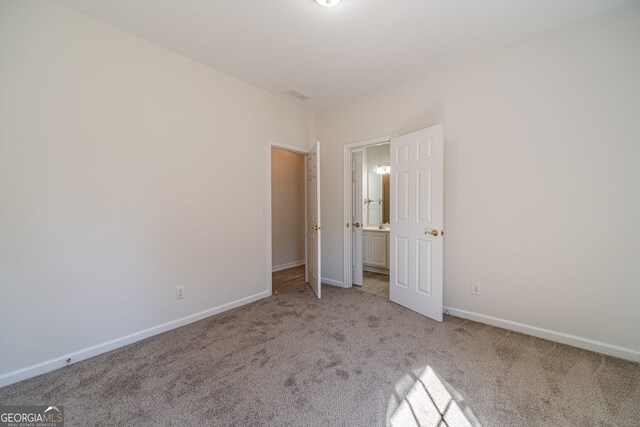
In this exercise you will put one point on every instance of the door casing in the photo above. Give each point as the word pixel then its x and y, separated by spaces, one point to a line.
pixel 348 200
pixel 272 143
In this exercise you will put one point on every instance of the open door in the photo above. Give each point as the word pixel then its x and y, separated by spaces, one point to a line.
pixel 356 220
pixel 417 221
pixel 314 235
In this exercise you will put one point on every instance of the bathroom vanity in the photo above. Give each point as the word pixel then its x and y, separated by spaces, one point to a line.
pixel 375 249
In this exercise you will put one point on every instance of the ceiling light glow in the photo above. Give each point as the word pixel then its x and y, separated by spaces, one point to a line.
pixel 328 3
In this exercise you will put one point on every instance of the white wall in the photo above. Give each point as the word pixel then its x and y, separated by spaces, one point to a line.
pixel 287 207
pixel 125 170
pixel 542 172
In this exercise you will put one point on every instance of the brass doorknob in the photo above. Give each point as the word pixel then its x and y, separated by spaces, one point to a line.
pixel 432 232
pixel 356 225
pixel 317 227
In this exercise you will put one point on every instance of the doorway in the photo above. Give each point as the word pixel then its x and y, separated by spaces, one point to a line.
pixel 287 219
pixel 293 207
pixel 355 176
pixel 370 223
pixel 416 212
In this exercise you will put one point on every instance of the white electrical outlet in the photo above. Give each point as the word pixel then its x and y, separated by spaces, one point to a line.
pixel 475 288
pixel 179 292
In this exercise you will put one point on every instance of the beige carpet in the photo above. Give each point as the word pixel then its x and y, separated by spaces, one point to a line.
pixel 352 358
pixel 375 283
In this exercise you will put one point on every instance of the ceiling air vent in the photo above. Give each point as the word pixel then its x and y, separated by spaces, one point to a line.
pixel 297 94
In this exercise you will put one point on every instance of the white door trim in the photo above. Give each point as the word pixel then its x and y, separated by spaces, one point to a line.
pixel 273 143
pixel 346 191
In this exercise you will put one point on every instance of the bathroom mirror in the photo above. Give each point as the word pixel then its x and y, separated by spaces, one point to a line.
pixel 377 200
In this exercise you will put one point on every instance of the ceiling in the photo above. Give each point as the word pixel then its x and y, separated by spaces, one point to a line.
pixel 334 54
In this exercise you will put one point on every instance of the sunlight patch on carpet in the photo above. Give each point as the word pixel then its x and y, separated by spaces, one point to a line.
pixel 423 399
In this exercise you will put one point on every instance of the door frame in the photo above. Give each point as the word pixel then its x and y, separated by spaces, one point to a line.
pixel 273 143
pixel 347 201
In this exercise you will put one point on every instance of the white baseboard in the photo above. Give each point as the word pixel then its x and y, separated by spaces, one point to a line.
pixel 373 269
pixel 333 282
pixel 77 356
pixel 572 340
pixel 287 265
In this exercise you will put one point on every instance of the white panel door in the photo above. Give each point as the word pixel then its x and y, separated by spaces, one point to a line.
pixel 417 221
pixel 356 220
pixel 314 235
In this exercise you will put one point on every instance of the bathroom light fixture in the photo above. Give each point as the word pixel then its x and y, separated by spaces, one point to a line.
pixel 383 169
pixel 328 3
